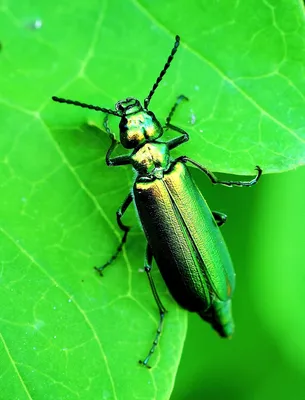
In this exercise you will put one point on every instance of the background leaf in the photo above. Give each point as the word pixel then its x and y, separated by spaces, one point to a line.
pixel 66 333
pixel 265 358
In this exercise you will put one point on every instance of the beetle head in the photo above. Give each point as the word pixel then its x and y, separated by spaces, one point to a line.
pixel 128 106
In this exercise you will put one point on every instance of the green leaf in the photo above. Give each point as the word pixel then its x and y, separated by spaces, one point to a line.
pixel 242 66
pixel 66 332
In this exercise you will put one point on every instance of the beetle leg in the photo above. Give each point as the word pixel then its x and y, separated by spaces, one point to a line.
pixel 124 228
pixel 162 310
pixel 173 109
pixel 215 180
pixel 171 144
pixel 220 218
pixel 119 160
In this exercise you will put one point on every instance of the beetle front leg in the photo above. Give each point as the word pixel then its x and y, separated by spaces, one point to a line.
pixel 171 144
pixel 173 109
pixel 124 228
pixel 148 264
pixel 220 218
pixel 181 139
pixel 216 181
pixel 115 161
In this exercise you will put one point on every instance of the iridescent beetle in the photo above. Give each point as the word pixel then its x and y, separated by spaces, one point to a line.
pixel 182 233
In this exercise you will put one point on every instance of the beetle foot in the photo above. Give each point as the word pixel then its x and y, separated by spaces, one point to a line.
pixel 144 363
pixel 99 270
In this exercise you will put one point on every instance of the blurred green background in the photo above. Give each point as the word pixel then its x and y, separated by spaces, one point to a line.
pixel 266 357
pixel 64 332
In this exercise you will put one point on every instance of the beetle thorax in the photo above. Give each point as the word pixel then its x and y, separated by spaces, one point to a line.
pixel 151 160
pixel 138 127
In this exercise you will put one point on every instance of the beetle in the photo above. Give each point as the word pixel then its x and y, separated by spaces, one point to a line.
pixel 182 233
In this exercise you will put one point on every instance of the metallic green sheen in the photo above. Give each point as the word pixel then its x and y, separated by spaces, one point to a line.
pixel 187 244
pixel 182 233
pixel 138 127
pixel 151 159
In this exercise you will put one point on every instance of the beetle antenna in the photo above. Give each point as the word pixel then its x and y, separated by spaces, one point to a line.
pixel 162 73
pixel 84 105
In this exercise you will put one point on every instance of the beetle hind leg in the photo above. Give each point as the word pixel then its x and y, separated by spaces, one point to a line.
pixel 219 315
pixel 162 310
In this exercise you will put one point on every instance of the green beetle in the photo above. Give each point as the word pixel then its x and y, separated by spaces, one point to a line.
pixel 182 232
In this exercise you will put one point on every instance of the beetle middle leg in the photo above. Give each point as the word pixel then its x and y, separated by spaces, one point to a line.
pixel 162 310
pixel 217 181
pixel 124 228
